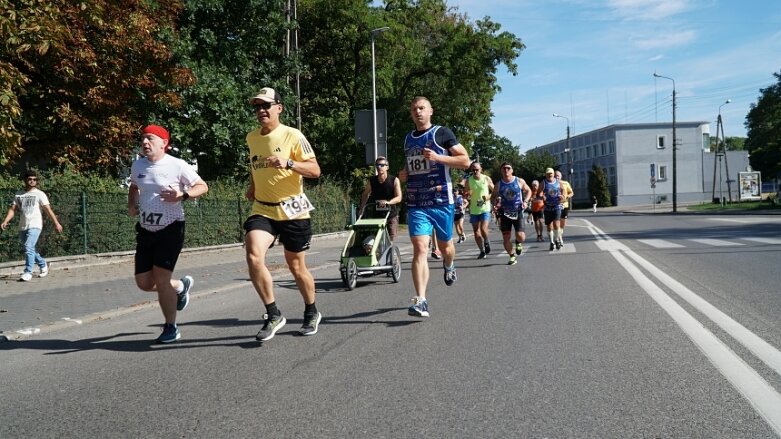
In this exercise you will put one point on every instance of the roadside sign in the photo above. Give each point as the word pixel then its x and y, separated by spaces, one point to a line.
pixel 653 170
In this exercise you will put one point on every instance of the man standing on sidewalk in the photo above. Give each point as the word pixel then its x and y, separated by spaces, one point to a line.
pixel 430 151
pixel 280 156
pixel 159 183
pixel 29 202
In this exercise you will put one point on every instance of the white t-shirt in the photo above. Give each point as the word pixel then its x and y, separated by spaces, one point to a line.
pixel 29 203
pixel 152 178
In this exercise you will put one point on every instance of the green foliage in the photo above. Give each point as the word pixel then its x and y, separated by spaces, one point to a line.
pixel 730 144
pixel 84 77
pixel 763 126
pixel 533 165
pixel 493 150
pixel 598 187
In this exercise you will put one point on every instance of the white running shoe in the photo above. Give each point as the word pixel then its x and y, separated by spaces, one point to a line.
pixel 44 271
pixel 26 276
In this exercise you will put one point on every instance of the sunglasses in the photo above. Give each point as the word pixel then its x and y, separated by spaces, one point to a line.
pixel 380 165
pixel 506 167
pixel 32 179
pixel 263 106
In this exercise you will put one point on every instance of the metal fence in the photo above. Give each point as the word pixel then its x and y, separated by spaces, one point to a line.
pixel 98 223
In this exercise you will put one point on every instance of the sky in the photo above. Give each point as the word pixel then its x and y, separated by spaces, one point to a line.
pixel 593 61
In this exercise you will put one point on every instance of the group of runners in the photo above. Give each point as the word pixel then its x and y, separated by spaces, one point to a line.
pixel 279 158
pixel 545 205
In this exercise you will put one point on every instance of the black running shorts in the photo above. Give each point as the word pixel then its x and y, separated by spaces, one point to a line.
pixel 295 235
pixel 160 248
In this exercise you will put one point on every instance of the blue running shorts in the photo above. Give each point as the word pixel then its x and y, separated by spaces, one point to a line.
pixel 421 221
pixel 485 216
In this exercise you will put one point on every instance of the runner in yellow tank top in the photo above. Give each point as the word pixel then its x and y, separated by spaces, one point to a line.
pixel 479 189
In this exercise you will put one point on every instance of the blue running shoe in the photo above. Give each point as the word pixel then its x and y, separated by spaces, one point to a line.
pixel 183 298
pixel 170 333
pixel 419 307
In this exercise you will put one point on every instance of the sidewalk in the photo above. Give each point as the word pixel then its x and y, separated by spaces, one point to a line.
pixel 91 287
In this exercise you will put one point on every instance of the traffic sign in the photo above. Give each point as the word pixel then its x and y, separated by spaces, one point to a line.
pixel 653 170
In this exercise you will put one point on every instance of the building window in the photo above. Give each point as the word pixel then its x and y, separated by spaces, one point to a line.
pixel 611 175
pixel 588 152
pixel 595 149
pixel 611 147
pixel 661 142
pixel 662 173
pixel 602 149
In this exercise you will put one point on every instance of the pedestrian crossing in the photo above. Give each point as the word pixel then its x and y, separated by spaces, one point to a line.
pixel 681 243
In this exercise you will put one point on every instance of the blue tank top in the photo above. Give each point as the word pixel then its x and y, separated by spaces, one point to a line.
pixel 552 191
pixel 428 183
pixel 510 194
pixel 459 204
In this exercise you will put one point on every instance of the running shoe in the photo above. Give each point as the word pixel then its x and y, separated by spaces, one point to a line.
pixel 551 246
pixel 436 254
pixel 183 298
pixel 558 245
pixel 487 248
pixel 170 333
pixel 518 248
pixel 513 260
pixel 450 275
pixel 419 307
pixel 44 271
pixel 311 323
pixel 481 255
pixel 270 327
pixel 26 276
pixel 463 238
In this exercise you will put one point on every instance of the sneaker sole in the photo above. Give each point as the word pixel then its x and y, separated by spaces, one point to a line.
pixel 317 326
pixel 418 314
pixel 178 336
pixel 273 331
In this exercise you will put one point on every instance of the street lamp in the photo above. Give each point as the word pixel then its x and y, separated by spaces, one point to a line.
pixel 375 32
pixel 567 150
pixel 675 143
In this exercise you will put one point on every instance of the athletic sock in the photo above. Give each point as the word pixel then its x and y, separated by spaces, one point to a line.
pixel 272 310
pixel 310 309
pixel 180 288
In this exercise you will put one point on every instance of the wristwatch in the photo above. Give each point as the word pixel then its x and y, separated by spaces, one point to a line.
pixel 185 196
pixel 289 164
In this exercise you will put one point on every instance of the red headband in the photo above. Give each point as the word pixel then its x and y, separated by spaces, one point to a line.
pixel 158 131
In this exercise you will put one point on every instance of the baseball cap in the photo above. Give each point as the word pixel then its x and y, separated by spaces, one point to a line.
pixel 549 171
pixel 267 94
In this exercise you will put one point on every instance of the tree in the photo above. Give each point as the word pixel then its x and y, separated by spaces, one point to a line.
pixel 763 126
pixel 534 163
pixel 234 49
pixel 101 71
pixel 730 144
pixel 429 50
pixel 493 150
pixel 598 187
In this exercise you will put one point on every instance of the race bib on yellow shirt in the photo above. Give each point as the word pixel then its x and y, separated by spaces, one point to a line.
pixel 296 206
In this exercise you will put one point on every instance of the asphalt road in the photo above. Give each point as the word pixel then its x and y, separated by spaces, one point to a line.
pixel 619 334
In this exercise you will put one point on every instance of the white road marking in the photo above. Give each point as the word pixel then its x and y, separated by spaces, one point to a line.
pixel 773 241
pixel 746 220
pixel 759 393
pixel 659 243
pixel 717 242
pixel 29 331
pixel 68 319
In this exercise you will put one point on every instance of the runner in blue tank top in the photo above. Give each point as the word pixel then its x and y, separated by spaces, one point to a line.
pixel 510 199
pixel 551 191
pixel 430 151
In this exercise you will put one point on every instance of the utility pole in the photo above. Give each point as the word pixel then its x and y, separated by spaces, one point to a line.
pixel 675 148
pixel 720 150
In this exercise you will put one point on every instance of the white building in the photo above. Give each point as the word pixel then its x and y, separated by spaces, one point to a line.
pixel 628 152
